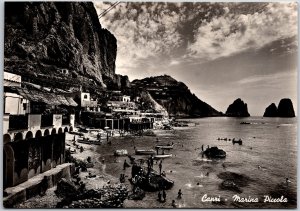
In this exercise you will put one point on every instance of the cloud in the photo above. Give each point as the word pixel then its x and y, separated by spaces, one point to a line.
pixel 270 78
pixel 236 32
pixel 142 30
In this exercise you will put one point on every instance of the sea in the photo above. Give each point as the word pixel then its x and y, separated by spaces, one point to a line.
pixel 266 161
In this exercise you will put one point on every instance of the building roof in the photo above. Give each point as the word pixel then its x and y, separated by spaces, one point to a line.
pixel 42 97
pixel 12 77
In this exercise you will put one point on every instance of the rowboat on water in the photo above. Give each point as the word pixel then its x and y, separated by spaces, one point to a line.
pixel 162 156
pixel 145 152
pixel 85 141
pixel 164 146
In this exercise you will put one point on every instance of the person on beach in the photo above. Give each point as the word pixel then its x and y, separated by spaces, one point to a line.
pixel 202 147
pixel 159 196
pixel 151 161
pixel 179 194
pixel 125 164
pixel 81 149
pixel 164 194
pixel 160 166
pixel 173 204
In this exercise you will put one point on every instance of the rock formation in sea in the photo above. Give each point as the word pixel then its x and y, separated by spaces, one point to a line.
pixel 271 111
pixel 175 97
pixel 60 44
pixel 285 108
pixel 237 109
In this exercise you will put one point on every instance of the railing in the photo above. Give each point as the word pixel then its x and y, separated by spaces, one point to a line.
pixel 18 122
pixel 47 120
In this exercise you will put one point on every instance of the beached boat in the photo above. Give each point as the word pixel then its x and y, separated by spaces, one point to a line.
pixel 145 152
pixel 85 141
pixel 162 156
pixel 121 152
pixel 164 146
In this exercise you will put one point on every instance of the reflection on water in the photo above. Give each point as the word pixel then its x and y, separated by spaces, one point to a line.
pixel 267 157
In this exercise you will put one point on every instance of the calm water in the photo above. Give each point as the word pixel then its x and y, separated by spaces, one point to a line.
pixel 270 143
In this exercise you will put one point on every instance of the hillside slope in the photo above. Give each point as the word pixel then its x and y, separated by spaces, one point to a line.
pixel 175 97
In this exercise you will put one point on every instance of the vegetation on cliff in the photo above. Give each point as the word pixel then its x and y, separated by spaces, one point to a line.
pixel 175 97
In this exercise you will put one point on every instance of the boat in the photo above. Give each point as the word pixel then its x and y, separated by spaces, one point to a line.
pixel 86 141
pixel 215 152
pixel 145 152
pixel 245 123
pixel 162 156
pixel 240 142
pixel 121 152
pixel 164 146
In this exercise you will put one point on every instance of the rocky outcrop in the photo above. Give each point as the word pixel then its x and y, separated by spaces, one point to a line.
pixel 175 97
pixel 271 111
pixel 237 109
pixel 147 99
pixel 61 41
pixel 285 108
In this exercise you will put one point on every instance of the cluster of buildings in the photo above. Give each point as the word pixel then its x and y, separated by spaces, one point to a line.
pixel 36 118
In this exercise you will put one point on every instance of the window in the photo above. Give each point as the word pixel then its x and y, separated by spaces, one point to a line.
pixel 24 106
pixel 85 97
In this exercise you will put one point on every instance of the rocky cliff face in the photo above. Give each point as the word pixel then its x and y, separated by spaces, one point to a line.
pixel 285 108
pixel 271 111
pixel 237 109
pixel 175 97
pixel 61 41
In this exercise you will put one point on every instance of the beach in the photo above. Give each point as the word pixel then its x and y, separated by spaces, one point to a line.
pixel 249 165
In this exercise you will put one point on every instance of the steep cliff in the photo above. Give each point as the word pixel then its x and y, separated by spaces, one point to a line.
pixel 175 97
pixel 59 41
pixel 271 111
pixel 285 108
pixel 237 109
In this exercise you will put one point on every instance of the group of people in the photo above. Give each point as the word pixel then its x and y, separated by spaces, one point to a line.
pixel 162 197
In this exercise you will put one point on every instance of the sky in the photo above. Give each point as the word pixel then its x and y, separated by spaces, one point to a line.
pixel 221 51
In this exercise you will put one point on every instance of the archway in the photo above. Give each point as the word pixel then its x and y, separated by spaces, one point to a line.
pixel 66 129
pixel 8 166
pixel 46 132
pixel 71 128
pixel 6 138
pixel 18 137
pixel 53 131
pixel 60 130
pixel 38 134
pixel 29 135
